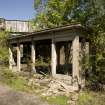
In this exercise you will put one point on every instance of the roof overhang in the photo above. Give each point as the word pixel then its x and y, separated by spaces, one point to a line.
pixel 77 27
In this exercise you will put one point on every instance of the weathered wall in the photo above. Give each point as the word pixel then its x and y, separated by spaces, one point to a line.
pixel 16 25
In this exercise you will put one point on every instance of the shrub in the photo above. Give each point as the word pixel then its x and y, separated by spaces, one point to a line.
pixel 3 47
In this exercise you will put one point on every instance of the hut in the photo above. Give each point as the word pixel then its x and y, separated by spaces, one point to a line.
pixel 64 46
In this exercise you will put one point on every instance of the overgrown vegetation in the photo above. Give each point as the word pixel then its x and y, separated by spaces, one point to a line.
pixel 3 47
pixel 89 13
pixel 13 80
pixel 40 61
pixel 18 82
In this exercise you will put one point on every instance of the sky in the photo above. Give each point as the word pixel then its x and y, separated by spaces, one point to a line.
pixel 17 9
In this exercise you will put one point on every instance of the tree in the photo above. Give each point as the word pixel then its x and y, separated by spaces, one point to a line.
pixel 53 13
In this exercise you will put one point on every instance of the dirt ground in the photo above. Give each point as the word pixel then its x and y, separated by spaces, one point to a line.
pixel 9 96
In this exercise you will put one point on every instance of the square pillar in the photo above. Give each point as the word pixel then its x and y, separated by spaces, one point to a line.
pixel 33 56
pixel 53 58
pixel 75 60
pixel 18 57
pixel 10 58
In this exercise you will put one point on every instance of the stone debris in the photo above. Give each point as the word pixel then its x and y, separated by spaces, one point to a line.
pixel 57 87
pixel 53 86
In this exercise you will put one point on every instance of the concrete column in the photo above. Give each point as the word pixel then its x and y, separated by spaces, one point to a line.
pixel 53 58
pixel 33 55
pixel 75 60
pixel 18 58
pixel 10 58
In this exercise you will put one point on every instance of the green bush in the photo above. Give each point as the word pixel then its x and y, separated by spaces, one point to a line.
pixel 3 47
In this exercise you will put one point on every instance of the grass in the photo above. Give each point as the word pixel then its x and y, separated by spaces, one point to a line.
pixel 85 98
pixel 17 82
pixel 91 98
pixel 59 100
pixel 13 80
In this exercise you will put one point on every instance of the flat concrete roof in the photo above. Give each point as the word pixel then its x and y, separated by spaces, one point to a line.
pixel 67 27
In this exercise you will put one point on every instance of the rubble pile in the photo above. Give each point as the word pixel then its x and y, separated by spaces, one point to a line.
pixel 57 87
pixel 53 86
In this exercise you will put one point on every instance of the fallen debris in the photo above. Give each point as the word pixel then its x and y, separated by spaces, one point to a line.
pixel 57 87
pixel 54 86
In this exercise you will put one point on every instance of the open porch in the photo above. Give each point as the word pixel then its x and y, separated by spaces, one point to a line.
pixel 63 45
